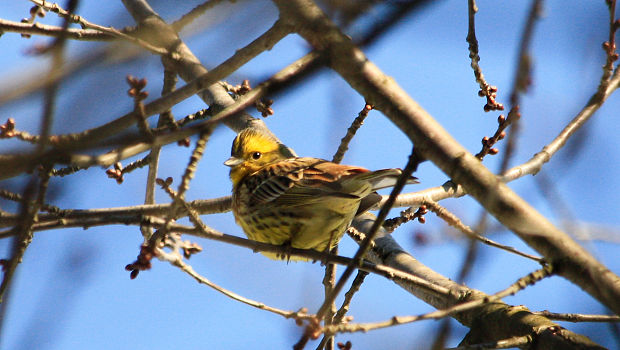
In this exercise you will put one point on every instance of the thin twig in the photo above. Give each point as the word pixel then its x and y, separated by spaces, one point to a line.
pixel 329 279
pixel 109 158
pixel 194 14
pixel 88 138
pixel 577 317
pixel 486 90
pixel 348 296
pixel 381 270
pixel 330 270
pixel 357 123
pixel 365 245
pixel 53 31
pixel 342 311
pixel 178 197
pixel 57 218
pixel 520 284
pixel 405 216
pixel 521 81
pixel 610 49
pixel 69 16
pixel 23 231
pixel 16 197
pixel 36 187
pixel 297 315
pixel 165 118
pixel 454 221
pixel 532 166
pixel 451 190
pixel 510 343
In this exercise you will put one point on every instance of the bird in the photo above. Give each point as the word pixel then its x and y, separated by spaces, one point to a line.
pixel 299 202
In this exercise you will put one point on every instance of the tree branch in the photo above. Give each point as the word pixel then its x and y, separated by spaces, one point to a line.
pixel 434 143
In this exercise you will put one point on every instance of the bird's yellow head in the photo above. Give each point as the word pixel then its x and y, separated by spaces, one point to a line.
pixel 251 150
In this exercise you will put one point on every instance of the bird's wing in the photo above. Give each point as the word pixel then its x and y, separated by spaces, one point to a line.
pixel 300 181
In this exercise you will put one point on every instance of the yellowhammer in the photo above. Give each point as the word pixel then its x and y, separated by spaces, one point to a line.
pixel 304 202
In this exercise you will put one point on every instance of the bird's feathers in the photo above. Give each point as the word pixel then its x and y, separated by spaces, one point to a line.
pixel 305 202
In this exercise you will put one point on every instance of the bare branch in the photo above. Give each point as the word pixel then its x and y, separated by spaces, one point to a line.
pixel 194 14
pixel 486 90
pixel 54 31
pixel 73 18
pixel 454 221
pixel 577 317
pixel 533 166
pixel 437 145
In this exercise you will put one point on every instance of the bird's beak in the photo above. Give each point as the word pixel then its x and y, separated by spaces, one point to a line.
pixel 233 161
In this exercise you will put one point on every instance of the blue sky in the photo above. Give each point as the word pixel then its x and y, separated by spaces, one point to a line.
pixel 72 286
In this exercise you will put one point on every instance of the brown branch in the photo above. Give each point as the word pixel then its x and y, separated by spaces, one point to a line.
pixel 165 119
pixel 547 334
pixel 69 16
pixel 486 90
pixel 520 284
pixel 610 49
pixel 16 164
pixel 521 82
pixel 365 246
pixel 485 319
pixel 390 273
pixel 533 166
pixel 194 14
pixel 66 218
pixel 329 280
pixel 38 184
pixel 344 143
pixel 348 296
pixel 454 221
pixel 296 315
pixel 24 230
pixel 435 144
pixel 188 67
pixel 53 31
pixel 577 317
pixel 451 190
pixel 510 343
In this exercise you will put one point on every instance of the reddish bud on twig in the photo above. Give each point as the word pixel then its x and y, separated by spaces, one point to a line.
pixel 345 346
pixel 140 84
pixel 135 88
pixel 184 142
pixel 164 183
pixel 115 174
pixel 7 130
pixel 143 261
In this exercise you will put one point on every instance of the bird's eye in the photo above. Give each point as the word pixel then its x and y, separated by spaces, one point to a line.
pixel 256 155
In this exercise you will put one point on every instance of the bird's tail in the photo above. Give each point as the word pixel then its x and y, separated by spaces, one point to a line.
pixel 386 178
